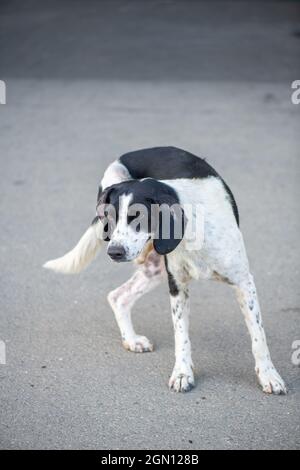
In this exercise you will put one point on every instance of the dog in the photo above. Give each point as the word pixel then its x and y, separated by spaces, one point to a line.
pixel 170 177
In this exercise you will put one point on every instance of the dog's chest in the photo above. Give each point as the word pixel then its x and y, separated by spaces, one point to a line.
pixel 190 265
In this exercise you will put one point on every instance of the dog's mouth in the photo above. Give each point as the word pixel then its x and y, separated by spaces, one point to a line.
pixel 121 260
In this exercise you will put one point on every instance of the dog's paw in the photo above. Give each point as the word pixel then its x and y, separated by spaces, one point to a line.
pixel 138 344
pixel 181 381
pixel 270 380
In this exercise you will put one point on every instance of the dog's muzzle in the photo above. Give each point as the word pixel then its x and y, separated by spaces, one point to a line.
pixel 117 253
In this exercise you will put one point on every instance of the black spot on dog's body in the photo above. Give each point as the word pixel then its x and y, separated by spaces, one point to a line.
pixel 163 163
pixel 232 201
pixel 166 163
pixel 173 288
pixel 219 277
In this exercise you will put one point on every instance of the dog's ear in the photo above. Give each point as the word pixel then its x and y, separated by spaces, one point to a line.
pixel 170 223
pixel 100 191
pixel 101 210
pixel 102 201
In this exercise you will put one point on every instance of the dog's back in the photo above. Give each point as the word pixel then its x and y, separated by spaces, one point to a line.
pixel 165 163
pixel 169 163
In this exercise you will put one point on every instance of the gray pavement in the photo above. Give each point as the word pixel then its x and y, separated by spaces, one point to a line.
pixel 86 82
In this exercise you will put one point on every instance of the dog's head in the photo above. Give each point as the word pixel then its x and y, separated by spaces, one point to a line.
pixel 133 212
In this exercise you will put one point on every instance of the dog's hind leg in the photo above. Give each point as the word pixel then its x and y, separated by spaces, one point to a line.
pixel 146 278
pixel 268 377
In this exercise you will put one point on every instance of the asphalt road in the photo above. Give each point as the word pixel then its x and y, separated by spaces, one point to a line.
pixel 86 83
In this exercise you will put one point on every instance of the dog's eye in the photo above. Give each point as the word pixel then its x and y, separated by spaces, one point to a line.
pixel 131 218
pixel 103 211
pixel 107 216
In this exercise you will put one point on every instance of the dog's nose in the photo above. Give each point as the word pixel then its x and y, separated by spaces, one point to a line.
pixel 116 252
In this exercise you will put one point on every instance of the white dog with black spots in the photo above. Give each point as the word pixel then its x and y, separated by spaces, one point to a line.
pixel 170 176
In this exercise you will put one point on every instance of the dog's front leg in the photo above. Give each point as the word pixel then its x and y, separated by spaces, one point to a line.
pixel 182 378
pixel 146 278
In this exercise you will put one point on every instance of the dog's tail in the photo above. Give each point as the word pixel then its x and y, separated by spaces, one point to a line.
pixel 82 254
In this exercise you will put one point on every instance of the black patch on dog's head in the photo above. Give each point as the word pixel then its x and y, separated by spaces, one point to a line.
pixel 148 193
pixel 102 209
